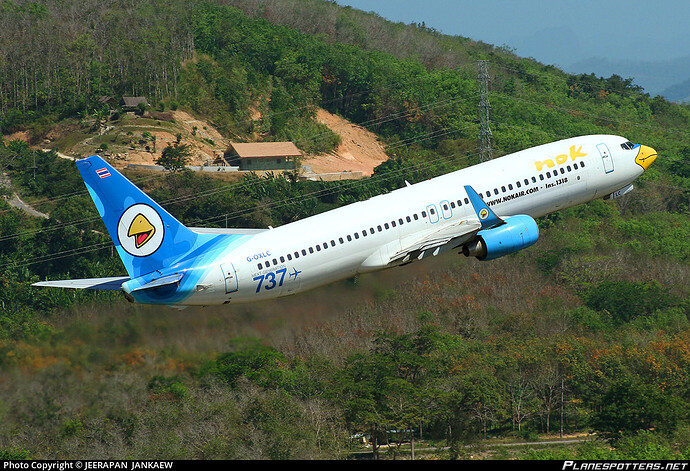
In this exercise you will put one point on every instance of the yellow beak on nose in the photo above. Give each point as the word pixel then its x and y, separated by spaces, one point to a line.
pixel 645 157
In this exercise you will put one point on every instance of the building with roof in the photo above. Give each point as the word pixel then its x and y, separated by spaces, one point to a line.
pixel 263 155
pixel 133 102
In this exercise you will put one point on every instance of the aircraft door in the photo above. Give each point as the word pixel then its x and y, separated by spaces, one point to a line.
pixel 230 276
pixel 606 158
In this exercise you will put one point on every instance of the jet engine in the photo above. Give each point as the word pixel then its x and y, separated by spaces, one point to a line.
pixel 515 234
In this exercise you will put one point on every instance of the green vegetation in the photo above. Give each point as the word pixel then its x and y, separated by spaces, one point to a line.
pixel 587 331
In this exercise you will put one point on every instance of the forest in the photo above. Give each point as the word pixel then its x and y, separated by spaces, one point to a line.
pixel 587 332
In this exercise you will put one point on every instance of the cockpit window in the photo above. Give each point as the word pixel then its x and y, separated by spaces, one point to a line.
pixel 628 145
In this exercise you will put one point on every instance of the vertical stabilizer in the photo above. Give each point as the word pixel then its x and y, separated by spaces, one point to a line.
pixel 146 236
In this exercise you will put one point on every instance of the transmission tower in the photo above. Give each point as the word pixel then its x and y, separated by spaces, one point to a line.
pixel 485 151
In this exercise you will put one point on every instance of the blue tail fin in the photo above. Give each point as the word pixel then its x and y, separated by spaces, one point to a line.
pixel 146 236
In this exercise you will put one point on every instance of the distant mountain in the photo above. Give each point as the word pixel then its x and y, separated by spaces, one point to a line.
pixel 656 77
pixel 678 93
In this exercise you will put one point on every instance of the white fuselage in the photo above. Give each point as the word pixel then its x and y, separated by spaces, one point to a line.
pixel 366 236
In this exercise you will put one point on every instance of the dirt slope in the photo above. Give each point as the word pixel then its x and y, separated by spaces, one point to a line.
pixel 359 150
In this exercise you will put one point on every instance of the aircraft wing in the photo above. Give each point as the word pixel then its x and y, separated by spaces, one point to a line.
pixel 449 236
pixel 110 284
pixel 436 241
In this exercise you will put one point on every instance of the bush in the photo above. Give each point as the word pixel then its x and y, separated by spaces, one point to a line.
pixel 626 300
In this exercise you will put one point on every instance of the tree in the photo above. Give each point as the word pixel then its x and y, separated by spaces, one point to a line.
pixel 631 405
pixel 625 300
pixel 174 157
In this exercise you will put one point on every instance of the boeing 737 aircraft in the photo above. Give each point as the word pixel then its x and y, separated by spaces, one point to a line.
pixel 485 211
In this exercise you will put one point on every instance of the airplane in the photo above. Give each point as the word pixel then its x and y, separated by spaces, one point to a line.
pixel 485 211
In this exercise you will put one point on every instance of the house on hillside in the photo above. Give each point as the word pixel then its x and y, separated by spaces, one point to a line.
pixel 131 103
pixel 262 155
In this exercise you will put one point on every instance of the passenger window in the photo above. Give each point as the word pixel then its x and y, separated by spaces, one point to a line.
pixel 289 256
pixel 379 228
pixel 261 266
pixel 495 191
pixel 364 232
pixel 304 252
pixel 349 238
pixel 541 176
pixel 424 214
pixel 393 223
pixel 534 180
pixel 275 262
pixel 518 184
pixel 569 169
pixel 311 250
pixel 527 181
pixel 400 221
pixel 332 243
pixel 582 164
pixel 467 201
pixel 548 174
pixel 371 230
pixel 386 225
pixel 282 259
pixel 415 216
pixel 503 189
pixel 575 166
pixel 341 240
pixel 356 235
pixel 408 219
pixel 267 264
pixel 296 254
pixel 318 248
pixel 510 186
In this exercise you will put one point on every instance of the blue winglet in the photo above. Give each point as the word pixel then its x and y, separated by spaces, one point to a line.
pixel 486 217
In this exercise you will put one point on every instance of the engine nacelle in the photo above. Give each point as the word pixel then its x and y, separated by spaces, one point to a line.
pixel 517 233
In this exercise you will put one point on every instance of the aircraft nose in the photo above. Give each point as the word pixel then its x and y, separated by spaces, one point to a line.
pixel 645 157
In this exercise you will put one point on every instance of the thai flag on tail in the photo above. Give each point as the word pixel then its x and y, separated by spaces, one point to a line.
pixel 103 172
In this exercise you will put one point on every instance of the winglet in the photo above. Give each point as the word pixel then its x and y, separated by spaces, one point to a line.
pixel 487 218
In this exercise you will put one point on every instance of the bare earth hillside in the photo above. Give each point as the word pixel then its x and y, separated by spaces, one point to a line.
pixel 359 150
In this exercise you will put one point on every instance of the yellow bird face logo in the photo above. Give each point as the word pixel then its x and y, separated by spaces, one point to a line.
pixel 141 229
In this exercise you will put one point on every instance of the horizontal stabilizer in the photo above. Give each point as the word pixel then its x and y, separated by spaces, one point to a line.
pixel 163 281
pixel 113 283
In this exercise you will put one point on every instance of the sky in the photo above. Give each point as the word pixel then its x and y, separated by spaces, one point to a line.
pixel 554 32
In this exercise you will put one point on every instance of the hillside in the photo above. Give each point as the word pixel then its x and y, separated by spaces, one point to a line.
pixel 585 331
pixel 359 150
pixel 140 140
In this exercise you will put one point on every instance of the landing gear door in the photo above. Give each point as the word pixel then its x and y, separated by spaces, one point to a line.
pixel 230 276
pixel 606 158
